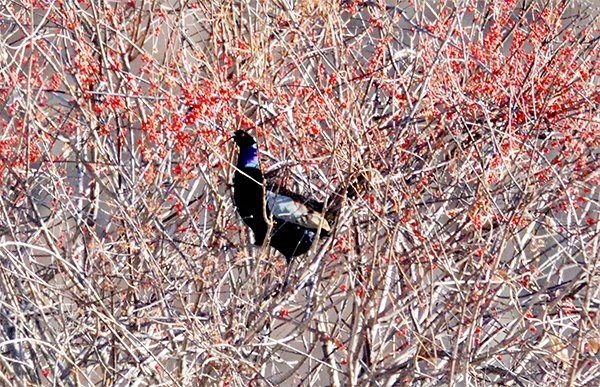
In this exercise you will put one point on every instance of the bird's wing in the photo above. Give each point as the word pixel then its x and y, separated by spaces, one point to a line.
pixel 285 208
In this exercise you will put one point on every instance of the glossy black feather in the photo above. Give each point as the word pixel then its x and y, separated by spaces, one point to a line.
pixel 248 193
pixel 290 237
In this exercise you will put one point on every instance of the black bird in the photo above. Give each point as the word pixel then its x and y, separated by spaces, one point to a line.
pixel 296 219
pixel 249 191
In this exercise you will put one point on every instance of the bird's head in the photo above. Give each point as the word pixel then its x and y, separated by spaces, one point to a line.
pixel 243 139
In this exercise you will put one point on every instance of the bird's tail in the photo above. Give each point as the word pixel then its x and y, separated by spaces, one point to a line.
pixel 336 201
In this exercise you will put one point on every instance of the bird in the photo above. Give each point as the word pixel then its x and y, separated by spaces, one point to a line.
pixel 291 221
